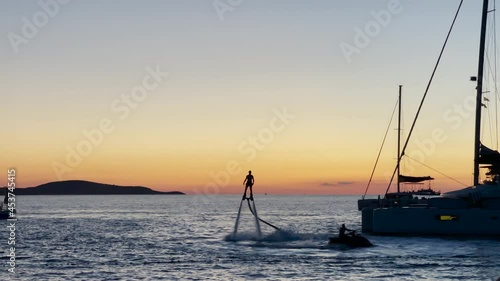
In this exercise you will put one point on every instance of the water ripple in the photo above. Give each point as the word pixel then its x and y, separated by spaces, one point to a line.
pixel 174 238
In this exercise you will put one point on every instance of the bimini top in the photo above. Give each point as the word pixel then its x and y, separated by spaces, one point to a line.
pixel 414 179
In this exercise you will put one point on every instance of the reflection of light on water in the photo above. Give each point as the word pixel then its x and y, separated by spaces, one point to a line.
pixel 282 239
pixel 162 237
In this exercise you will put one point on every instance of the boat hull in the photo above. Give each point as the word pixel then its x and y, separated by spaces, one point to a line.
pixel 367 206
pixel 367 219
pixel 436 221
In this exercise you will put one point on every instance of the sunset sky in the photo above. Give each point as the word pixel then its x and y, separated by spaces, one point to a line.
pixel 190 95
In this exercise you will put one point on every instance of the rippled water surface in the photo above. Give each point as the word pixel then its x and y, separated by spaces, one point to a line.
pixel 188 238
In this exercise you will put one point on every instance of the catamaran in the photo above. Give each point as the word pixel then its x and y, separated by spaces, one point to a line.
pixel 401 197
pixel 474 210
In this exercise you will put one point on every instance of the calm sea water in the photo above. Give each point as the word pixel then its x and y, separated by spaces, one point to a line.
pixel 186 238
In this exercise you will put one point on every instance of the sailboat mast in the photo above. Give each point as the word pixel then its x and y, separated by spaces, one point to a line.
pixel 399 136
pixel 479 95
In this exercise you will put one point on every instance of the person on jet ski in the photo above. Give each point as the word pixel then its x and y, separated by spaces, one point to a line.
pixel 342 231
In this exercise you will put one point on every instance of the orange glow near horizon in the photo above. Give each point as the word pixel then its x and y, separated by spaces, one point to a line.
pixel 278 178
pixel 288 164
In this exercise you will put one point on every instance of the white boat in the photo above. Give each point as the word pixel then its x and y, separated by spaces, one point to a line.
pixel 472 211
pixel 4 212
pixel 399 198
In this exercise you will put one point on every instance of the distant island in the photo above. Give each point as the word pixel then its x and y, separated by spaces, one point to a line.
pixel 79 187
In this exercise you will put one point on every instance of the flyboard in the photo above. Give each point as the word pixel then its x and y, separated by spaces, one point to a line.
pixel 253 210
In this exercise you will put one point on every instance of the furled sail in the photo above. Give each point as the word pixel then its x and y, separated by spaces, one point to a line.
pixel 488 156
pixel 491 158
pixel 414 179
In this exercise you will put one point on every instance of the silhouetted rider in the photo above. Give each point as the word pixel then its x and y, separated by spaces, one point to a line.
pixel 342 231
pixel 249 180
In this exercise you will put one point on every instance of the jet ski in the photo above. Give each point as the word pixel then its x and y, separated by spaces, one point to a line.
pixel 353 240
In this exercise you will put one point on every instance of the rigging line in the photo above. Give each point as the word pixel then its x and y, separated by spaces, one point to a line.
pixel 490 125
pixel 402 137
pixel 425 95
pixel 490 75
pixel 495 51
pixel 455 180
pixel 487 79
pixel 492 44
pixel 261 220
pixel 488 63
pixel 381 147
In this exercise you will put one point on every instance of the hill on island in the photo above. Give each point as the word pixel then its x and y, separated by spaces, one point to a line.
pixel 79 187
